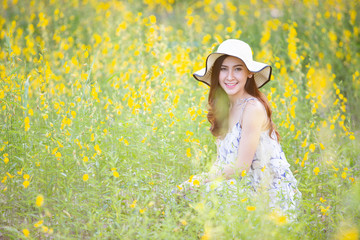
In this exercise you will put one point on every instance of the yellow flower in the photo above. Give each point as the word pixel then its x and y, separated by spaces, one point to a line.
pixel 27 124
pixel 188 152
pixel 278 218
pixel 324 211
pixel 116 174
pixel 196 182
pixel 243 173
pixel 133 204
pixel 304 143
pixel 297 134
pixel 85 159
pixel 251 208
pixel 190 20
pixel 316 170
pixel 26 176
pixel 39 223
pixel 26 232
pixel 85 177
pixel 306 156
pixel 58 154
pixel 183 222
pixel 191 177
pixel 142 210
pixel 152 19
pixel 39 200
pixel 97 149
pixel 44 229
pixel 206 39
pixel 97 38
pixel 350 233
pixel 10 176
pixel 73 114
pixel 312 147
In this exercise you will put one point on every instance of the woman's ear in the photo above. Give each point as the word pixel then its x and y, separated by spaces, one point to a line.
pixel 250 75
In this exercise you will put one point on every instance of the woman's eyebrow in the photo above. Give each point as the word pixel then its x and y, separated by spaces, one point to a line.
pixel 237 65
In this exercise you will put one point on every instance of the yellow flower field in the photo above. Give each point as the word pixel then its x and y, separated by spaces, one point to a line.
pixel 100 118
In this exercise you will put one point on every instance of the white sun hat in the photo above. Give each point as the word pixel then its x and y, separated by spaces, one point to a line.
pixel 241 50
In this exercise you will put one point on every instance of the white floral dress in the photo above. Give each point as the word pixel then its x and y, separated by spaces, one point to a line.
pixel 269 169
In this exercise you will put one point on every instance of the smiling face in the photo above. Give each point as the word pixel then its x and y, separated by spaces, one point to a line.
pixel 233 76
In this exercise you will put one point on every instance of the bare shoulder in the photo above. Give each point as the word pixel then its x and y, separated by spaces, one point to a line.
pixel 254 112
pixel 255 106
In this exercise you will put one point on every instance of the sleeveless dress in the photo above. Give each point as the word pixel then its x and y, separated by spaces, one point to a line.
pixel 269 170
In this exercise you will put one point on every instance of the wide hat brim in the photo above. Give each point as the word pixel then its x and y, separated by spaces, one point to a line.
pixel 262 71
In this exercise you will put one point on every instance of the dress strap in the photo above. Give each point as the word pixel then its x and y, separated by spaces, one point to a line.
pixel 243 102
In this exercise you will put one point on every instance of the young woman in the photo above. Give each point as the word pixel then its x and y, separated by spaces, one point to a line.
pixel 240 118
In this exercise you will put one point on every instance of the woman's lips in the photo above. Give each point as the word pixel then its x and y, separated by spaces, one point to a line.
pixel 230 85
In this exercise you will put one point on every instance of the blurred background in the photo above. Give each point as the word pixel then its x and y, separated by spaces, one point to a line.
pixel 100 116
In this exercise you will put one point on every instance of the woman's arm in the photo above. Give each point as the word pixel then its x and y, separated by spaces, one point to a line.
pixel 254 118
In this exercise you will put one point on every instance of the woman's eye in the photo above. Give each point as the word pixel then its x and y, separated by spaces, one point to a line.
pixel 238 69
pixel 222 69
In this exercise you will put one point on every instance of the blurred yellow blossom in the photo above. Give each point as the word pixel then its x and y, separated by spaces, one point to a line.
pixel 26 232
pixel 85 177
pixel 116 174
pixel 133 204
pixel 39 200
pixel 312 147
pixel 196 182
pixel 277 218
pixel 97 149
pixel 39 223
pixel 27 124
pixel 250 208
pixel 26 183
pixel 316 170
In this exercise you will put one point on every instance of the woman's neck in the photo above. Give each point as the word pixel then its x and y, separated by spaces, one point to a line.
pixel 235 100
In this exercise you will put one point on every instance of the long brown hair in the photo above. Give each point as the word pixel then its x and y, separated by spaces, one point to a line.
pixel 218 112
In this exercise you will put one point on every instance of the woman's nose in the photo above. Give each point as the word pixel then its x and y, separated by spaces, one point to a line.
pixel 230 75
